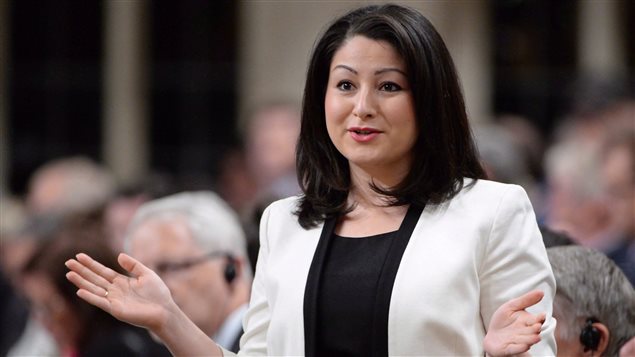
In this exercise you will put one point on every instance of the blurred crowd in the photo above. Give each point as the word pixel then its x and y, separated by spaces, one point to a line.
pixel 204 244
pixel 581 181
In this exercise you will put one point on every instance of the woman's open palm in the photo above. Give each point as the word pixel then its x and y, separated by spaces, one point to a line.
pixel 140 299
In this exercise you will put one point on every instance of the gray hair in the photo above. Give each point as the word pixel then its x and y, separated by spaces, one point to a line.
pixel 213 224
pixel 85 185
pixel 502 155
pixel 579 162
pixel 590 285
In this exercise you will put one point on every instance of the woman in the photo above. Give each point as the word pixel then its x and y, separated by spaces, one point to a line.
pixel 397 246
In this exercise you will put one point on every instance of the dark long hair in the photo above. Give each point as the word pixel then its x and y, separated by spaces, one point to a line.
pixel 444 153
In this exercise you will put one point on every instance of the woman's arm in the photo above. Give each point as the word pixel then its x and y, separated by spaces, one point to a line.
pixel 141 299
pixel 515 263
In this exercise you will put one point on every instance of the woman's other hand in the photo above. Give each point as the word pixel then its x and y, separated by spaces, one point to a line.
pixel 140 299
pixel 512 330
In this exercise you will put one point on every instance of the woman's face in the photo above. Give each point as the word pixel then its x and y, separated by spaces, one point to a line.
pixel 369 107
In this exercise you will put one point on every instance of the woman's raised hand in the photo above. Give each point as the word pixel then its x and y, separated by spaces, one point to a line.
pixel 140 299
pixel 512 330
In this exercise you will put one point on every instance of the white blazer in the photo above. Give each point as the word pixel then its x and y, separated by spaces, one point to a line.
pixel 464 259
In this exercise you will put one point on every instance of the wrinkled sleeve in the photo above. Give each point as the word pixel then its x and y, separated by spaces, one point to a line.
pixel 256 320
pixel 515 263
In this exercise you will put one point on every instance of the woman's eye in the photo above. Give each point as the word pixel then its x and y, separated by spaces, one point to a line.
pixel 390 87
pixel 346 86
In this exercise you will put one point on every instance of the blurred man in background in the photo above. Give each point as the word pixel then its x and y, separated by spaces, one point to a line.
pixel 57 190
pixel 194 241
pixel 590 182
pixel 69 185
pixel 618 176
pixel 594 303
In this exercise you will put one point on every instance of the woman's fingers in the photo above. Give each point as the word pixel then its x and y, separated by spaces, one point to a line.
pixel 88 291
pixel 521 343
pixel 525 301
pixel 93 299
pixel 537 321
pixel 527 319
pixel 97 268
pixel 514 349
pixel 138 298
pixel 82 283
pixel 93 281
pixel 529 339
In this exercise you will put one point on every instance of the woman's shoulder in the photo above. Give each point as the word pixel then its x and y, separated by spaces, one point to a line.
pixel 491 193
pixel 285 204
pixel 280 219
pixel 486 188
pixel 485 202
pixel 284 208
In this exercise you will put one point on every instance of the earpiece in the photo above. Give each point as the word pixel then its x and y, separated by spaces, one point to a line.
pixel 590 336
pixel 230 269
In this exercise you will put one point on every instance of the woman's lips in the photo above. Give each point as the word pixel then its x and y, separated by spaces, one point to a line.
pixel 363 135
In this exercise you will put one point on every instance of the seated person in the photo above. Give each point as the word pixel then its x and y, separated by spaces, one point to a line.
pixel 594 303
pixel 194 241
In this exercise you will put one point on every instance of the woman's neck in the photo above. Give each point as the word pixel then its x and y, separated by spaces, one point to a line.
pixel 371 213
pixel 362 193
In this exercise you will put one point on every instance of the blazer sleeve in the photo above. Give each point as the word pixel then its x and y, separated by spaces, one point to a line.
pixel 256 321
pixel 515 263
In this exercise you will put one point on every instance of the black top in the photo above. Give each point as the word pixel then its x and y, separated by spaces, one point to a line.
pixel 381 305
pixel 347 294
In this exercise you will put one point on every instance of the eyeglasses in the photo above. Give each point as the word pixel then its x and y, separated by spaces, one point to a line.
pixel 167 267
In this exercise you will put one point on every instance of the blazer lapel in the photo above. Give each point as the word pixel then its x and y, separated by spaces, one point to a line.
pixel 387 280
pixel 312 285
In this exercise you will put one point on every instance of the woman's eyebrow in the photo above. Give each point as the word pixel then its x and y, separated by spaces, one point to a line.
pixel 390 69
pixel 377 72
pixel 344 67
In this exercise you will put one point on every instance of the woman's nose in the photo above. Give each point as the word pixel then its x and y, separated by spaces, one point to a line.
pixel 365 106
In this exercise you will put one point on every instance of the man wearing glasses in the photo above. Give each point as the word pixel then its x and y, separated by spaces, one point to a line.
pixel 195 243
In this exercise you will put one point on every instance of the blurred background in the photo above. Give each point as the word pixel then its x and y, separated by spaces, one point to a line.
pixel 105 105
pixel 166 86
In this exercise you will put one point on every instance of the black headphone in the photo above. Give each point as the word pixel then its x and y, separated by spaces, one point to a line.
pixel 590 335
pixel 230 269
